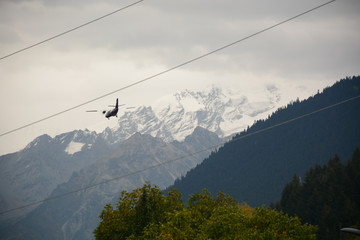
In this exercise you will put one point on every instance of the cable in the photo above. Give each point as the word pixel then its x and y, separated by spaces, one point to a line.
pixel 182 157
pixel 168 70
pixel 71 30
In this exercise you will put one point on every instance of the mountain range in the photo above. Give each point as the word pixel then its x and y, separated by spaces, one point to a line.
pixel 33 173
pixel 221 111
pixel 174 127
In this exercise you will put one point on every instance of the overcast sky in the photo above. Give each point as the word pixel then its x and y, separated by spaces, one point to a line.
pixel 308 53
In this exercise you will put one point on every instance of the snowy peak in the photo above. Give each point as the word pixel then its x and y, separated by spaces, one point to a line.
pixel 74 141
pixel 221 111
pixel 77 136
pixel 41 140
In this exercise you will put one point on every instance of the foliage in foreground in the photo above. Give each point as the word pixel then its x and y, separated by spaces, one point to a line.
pixel 146 213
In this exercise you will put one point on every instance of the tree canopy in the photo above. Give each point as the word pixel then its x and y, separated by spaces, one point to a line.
pixel 328 197
pixel 146 213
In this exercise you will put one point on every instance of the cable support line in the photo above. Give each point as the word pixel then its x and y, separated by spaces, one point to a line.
pixel 71 30
pixel 166 71
pixel 83 189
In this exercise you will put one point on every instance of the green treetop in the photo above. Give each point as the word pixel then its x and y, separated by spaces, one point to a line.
pixel 146 213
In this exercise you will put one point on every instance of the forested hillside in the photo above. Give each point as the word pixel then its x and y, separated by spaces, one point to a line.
pixel 329 196
pixel 255 169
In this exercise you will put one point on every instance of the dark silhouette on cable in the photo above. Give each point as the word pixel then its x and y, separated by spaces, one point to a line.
pixel 113 112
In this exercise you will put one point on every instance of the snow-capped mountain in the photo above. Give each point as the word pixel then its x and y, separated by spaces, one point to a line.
pixel 173 127
pixel 174 117
pixel 46 162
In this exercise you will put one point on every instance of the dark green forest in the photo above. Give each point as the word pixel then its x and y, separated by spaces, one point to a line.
pixel 255 168
pixel 329 196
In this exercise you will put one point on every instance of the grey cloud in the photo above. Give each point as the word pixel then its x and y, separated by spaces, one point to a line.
pixel 169 32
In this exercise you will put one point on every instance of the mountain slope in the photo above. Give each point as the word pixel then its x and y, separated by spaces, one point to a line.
pixel 76 215
pixel 33 173
pixel 256 168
